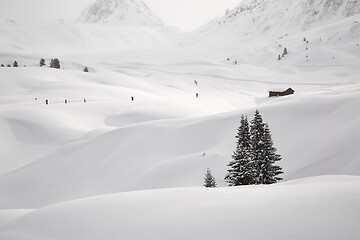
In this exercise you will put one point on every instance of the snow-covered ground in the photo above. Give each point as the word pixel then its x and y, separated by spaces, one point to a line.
pixel 315 208
pixel 112 168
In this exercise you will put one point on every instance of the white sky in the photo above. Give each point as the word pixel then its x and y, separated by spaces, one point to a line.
pixel 185 14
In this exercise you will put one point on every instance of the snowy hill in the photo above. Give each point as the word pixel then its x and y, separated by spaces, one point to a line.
pixel 124 12
pixel 292 210
pixel 129 162
pixel 165 123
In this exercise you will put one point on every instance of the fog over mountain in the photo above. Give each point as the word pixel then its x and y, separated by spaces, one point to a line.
pixel 126 12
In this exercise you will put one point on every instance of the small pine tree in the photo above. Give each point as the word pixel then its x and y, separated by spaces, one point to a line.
pixel 15 64
pixel 209 180
pixel 240 172
pixel 285 51
pixel 42 62
pixel 8 65
pixel 86 69
pixel 2 65
pixel 55 63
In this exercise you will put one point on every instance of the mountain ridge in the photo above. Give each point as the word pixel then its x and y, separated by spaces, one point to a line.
pixel 255 17
pixel 123 12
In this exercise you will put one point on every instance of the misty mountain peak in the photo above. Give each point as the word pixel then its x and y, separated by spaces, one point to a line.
pixel 124 12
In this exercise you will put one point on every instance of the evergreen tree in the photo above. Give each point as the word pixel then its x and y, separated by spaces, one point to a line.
pixel 8 65
pixel 86 69
pixel 15 64
pixel 285 51
pixel 263 152
pixel 42 62
pixel 2 65
pixel 240 172
pixel 255 157
pixel 258 153
pixel 269 170
pixel 209 179
pixel 55 63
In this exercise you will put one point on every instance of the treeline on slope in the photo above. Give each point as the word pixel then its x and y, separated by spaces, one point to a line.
pixel 254 159
pixel 15 64
pixel 54 63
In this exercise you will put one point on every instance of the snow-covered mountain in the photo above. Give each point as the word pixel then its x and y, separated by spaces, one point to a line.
pixel 259 17
pixel 257 29
pixel 124 12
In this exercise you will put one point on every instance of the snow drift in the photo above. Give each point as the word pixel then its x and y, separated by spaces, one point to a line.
pixel 317 208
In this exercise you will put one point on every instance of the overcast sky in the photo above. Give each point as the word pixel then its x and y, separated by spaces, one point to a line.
pixel 185 14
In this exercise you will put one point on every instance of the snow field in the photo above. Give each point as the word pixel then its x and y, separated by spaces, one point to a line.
pixel 295 210
pixel 112 168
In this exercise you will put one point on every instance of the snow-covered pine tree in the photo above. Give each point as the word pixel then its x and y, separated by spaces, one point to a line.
pixel 285 51
pixel 269 170
pixel 209 179
pixel 55 63
pixel 240 172
pixel 42 62
pixel 263 152
pixel 258 153
pixel 15 64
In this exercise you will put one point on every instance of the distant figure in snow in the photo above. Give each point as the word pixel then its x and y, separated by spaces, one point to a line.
pixel 197 95
pixel 46 102
pixel 84 100
pixel 65 101
pixel 195 82
pixel 132 98
pixel 204 154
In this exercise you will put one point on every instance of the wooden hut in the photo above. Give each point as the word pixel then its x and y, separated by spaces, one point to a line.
pixel 288 91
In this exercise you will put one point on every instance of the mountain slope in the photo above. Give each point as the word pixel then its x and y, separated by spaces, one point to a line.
pixel 58 161
pixel 257 31
pixel 149 155
pixel 254 17
pixel 124 12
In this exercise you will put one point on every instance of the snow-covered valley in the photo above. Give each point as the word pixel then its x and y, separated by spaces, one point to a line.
pixel 113 168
